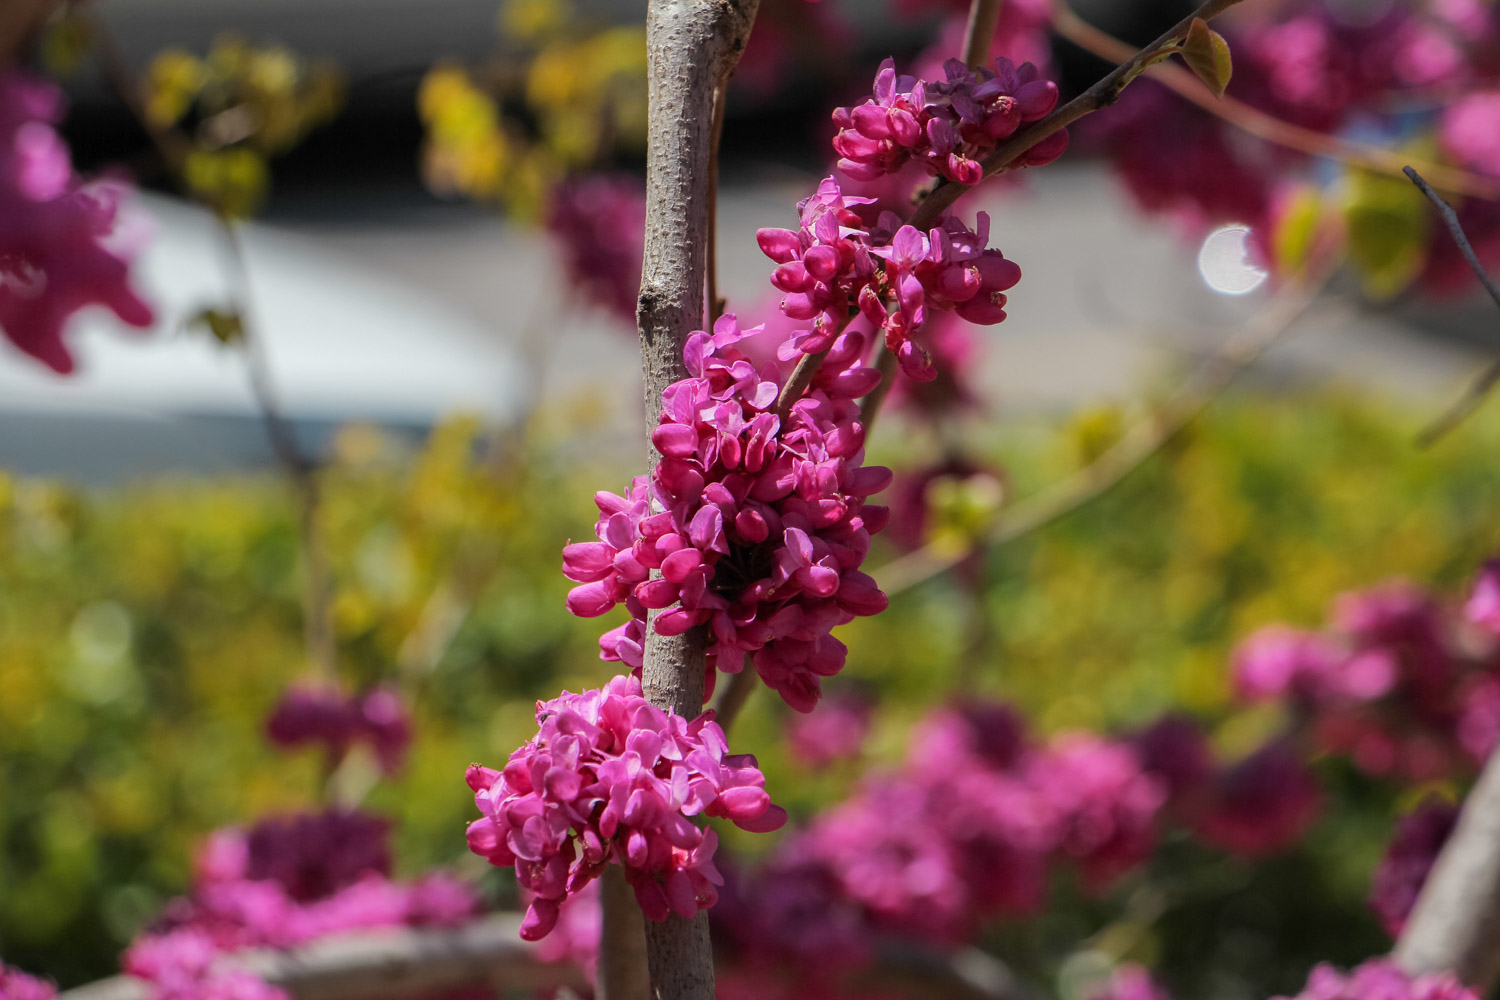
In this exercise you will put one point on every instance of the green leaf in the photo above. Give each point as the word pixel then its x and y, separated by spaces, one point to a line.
pixel 227 327
pixel 1296 231
pixel 1207 55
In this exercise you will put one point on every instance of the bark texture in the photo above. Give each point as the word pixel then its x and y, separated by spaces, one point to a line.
pixel 692 46
pixel 622 943
pixel 1455 926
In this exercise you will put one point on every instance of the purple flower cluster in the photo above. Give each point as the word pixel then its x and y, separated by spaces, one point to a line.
pixel 895 275
pixel 946 126
pixel 59 238
pixel 1395 684
pixel 756 522
pixel 610 777
pixel 1379 979
pixel 1408 859
pixel 309 715
pixel 600 222
pixel 17 985
pixel 965 832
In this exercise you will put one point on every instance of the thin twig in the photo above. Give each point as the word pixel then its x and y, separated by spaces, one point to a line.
pixel 979 33
pixel 800 379
pixel 1470 400
pixel 715 302
pixel 869 407
pixel 1100 95
pixel 1268 127
pixel 733 695
pixel 1138 444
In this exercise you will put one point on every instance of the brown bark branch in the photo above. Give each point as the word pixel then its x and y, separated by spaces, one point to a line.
pixel 622 941
pixel 691 45
pixel 979 33
pixel 1455 926
pixel 1268 127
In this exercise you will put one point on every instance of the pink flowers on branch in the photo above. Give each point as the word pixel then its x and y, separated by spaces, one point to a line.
pixel 946 126
pixel 611 778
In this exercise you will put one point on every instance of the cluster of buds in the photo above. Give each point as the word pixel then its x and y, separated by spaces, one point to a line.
pixel 1398 684
pixel 757 522
pixel 611 778
pixel 946 126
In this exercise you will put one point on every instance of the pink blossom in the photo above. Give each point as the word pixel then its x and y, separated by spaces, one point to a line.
pixel 752 524
pixel 1261 805
pixel 1408 858
pixel 611 778
pixel 1280 662
pixel 600 221
pixel 1128 982
pixel 1106 805
pixel 946 125
pixel 835 732
pixel 1175 751
pixel 56 255
pixel 1379 979
pixel 313 855
pixel 184 965
pixel 319 715
pixel 1483 607
pixel 17 985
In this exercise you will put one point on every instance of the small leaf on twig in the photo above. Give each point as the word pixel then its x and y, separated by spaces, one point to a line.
pixel 1207 55
pixel 227 327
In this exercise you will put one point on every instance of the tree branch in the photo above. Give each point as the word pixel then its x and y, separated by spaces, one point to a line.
pixel 715 301
pixel 391 964
pixel 979 33
pixel 1139 444
pixel 1470 400
pixel 691 46
pixel 1268 127
pixel 1455 926
pixel 1100 95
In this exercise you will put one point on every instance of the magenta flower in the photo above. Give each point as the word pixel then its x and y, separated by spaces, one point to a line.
pixel 313 855
pixel 55 230
pixel 600 222
pixel 757 525
pixel 17 985
pixel 317 715
pixel 1128 982
pixel 1408 859
pixel 1379 979
pixel 611 778
pixel 946 126
pixel 835 732
pixel 1261 805
pixel 1483 607
pixel 183 965
pixel 1279 662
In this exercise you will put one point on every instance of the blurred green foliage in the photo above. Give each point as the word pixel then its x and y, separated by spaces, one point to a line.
pixel 146 630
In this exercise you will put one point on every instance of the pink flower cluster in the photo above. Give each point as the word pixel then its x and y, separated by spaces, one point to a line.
pixel 1408 859
pixel 896 275
pixel 327 717
pixel 1400 685
pixel 610 777
pixel 16 985
pixel 756 522
pixel 59 237
pixel 1379 979
pixel 284 883
pixel 963 833
pixel 600 222
pixel 947 126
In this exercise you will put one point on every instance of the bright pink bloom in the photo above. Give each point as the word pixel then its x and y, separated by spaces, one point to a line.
pixel 16 985
pixel 610 777
pixel 1469 132
pixel 835 732
pixel 55 231
pixel 757 524
pixel 1279 662
pixel 1483 607
pixel 946 125
pixel 1408 858
pixel 1379 979
pixel 1128 982
pixel 183 965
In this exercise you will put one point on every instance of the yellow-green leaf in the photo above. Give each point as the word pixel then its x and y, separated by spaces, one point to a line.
pixel 227 327
pixel 1207 55
pixel 1387 222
